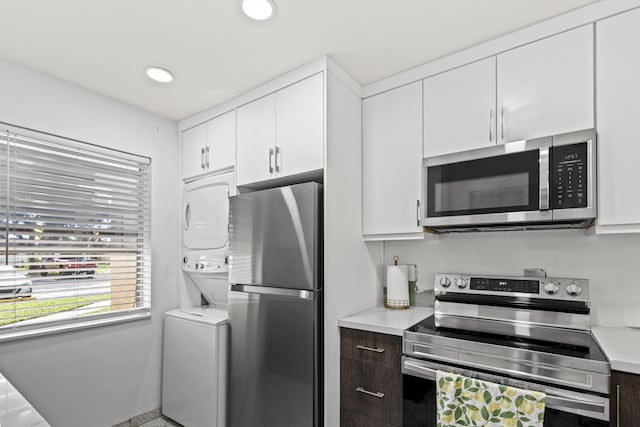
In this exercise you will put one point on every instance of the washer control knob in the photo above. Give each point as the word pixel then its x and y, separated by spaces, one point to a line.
pixel 461 283
pixel 551 288
pixel 185 260
pixel 574 289
pixel 445 282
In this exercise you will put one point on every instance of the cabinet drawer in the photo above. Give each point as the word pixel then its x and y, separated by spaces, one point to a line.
pixel 371 347
pixel 371 390
pixel 351 419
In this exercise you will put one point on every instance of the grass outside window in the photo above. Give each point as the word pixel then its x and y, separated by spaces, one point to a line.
pixel 31 309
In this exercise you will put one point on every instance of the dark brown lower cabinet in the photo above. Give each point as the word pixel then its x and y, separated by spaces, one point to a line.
pixel 625 399
pixel 370 379
pixel 352 419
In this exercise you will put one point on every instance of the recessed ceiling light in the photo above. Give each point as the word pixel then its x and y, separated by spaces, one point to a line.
pixel 259 9
pixel 159 74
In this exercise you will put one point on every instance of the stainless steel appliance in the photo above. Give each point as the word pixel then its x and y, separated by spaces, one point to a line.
pixel 275 307
pixel 540 183
pixel 528 332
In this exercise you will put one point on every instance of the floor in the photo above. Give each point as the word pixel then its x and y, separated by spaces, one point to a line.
pixel 160 422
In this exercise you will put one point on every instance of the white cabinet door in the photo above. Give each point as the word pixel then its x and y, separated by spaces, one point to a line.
pixel 618 113
pixel 194 141
pixel 547 87
pixel 392 161
pixel 300 126
pixel 255 140
pixel 460 109
pixel 221 141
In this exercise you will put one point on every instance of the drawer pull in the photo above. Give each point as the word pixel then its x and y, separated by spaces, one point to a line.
pixel 370 393
pixel 364 347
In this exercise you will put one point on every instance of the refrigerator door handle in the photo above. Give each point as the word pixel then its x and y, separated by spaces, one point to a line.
pixel 266 290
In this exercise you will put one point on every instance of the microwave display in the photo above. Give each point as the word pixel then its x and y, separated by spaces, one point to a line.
pixel 569 176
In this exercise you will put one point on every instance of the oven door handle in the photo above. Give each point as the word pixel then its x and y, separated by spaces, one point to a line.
pixel 422 371
pixel 552 400
pixel 569 403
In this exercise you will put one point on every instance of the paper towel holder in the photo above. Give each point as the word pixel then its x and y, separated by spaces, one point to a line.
pixel 396 289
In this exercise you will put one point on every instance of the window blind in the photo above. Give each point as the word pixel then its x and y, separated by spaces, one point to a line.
pixel 76 239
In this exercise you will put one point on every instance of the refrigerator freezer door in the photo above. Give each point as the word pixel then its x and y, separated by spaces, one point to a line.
pixel 274 359
pixel 274 237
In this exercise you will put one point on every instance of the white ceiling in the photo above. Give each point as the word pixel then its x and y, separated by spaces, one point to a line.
pixel 217 53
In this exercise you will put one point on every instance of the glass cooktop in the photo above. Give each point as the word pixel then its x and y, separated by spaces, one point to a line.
pixel 590 352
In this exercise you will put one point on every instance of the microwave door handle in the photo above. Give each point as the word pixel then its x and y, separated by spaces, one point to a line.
pixel 544 178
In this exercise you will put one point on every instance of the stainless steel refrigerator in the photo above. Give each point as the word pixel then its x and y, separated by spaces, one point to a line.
pixel 275 307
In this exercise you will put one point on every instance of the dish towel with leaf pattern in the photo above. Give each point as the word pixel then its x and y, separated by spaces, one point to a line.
pixel 463 401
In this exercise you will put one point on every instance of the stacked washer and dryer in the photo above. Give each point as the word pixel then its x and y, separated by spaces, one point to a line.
pixel 195 348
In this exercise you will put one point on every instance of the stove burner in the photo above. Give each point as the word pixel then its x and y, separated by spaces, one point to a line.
pixel 522 342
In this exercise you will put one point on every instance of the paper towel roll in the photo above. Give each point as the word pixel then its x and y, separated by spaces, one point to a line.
pixel 397 286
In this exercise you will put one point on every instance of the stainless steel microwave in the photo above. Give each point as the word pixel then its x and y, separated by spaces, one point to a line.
pixel 545 182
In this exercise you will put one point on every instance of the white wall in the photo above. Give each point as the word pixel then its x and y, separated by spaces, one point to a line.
pixel 351 282
pixel 610 262
pixel 100 376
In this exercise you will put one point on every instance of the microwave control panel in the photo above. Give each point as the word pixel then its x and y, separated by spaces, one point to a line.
pixel 569 176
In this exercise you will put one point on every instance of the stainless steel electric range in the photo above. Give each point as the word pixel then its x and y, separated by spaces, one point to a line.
pixel 528 332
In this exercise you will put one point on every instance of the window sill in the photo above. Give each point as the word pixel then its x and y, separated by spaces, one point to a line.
pixel 67 327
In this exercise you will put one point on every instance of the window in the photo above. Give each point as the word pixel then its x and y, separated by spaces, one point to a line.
pixel 76 239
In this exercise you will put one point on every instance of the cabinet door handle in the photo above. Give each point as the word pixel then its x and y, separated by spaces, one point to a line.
pixel 618 405
pixel 202 158
pixel 277 153
pixel 207 157
pixel 364 347
pixel 490 125
pixel 502 122
pixel 418 213
pixel 370 393
pixel 270 158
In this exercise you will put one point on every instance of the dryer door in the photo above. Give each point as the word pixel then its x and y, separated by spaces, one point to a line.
pixel 206 213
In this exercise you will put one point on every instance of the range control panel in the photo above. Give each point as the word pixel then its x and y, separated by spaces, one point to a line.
pixel 504 285
pixel 532 287
pixel 569 176
pixel 196 263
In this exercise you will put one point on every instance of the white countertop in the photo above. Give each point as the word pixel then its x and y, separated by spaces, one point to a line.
pixel 621 345
pixel 15 410
pixel 385 320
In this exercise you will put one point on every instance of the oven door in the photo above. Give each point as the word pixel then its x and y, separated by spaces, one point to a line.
pixel 502 184
pixel 563 408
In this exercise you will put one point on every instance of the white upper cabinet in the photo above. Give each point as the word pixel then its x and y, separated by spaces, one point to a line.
pixel 460 109
pixel 618 115
pixel 546 87
pixel 282 134
pixel 221 141
pixel 300 126
pixel 392 160
pixel 194 141
pixel 209 146
pixel 256 140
